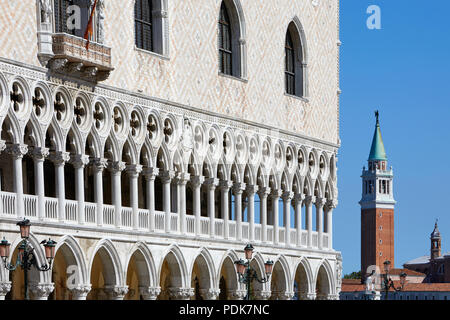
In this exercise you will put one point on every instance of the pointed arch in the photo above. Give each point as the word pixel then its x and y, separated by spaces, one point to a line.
pixel 177 265
pixel 113 271
pixel 232 22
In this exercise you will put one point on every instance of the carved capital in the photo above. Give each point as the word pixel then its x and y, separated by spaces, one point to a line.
pixel 298 198
pixel 320 202
pixel 41 291
pixel 150 173
pixel 5 287
pixel 331 204
pixel 17 151
pixel 2 145
pixel 80 292
pixel 225 185
pixel 252 189
pixel 39 154
pixel 212 183
pixel 262 295
pixel 283 295
pixel 237 294
pixel 116 292
pixel 117 166
pixel 264 192
pixel 287 196
pixel 239 187
pixel 276 194
pixel 182 178
pixel 150 293
pixel 307 296
pixel 59 157
pixel 99 164
pixel 309 200
pixel 79 160
pixel 181 293
pixel 134 170
pixel 210 294
pixel 167 176
pixel 197 181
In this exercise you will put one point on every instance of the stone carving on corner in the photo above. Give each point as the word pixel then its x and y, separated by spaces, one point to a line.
pixel 101 21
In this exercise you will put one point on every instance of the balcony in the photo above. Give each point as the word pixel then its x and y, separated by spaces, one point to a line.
pixel 151 223
pixel 71 57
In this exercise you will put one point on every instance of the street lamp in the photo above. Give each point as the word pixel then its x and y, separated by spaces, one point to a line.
pixel 247 274
pixel 388 283
pixel 26 257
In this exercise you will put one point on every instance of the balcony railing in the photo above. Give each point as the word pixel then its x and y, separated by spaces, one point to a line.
pixel 71 56
pixel 8 209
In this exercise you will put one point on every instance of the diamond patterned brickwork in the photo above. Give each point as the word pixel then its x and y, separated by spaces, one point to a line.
pixel 190 74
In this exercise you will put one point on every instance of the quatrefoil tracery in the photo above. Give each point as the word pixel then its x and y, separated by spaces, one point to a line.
pixel 60 106
pixel 38 102
pixel 117 119
pixel 99 116
pixel 168 130
pixel 135 124
pixel 79 111
pixel 152 127
pixel 16 97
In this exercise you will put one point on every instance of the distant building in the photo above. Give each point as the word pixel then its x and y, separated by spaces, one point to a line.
pixel 436 266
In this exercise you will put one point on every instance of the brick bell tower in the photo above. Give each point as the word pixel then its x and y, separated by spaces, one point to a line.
pixel 377 207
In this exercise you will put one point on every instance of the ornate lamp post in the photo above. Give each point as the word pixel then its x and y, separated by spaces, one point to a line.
pixel 388 283
pixel 247 274
pixel 26 257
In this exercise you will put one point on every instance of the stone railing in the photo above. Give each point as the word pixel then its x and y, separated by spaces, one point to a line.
pixel 148 222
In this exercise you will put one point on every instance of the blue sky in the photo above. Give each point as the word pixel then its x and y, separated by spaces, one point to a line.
pixel 403 70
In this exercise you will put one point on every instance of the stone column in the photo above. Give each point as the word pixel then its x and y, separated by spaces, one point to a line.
pixel 238 188
pixel 39 155
pixel 251 190
pixel 308 211
pixel 276 194
pixel 196 183
pixel 116 292
pixel 40 291
pixel 5 287
pixel 59 159
pixel 263 193
pixel 329 219
pixel 116 169
pixel 99 165
pixel 182 179
pixel 287 198
pixel 210 294
pixel 166 178
pixel 17 152
pixel 79 162
pixel 298 199
pixel 320 202
pixel 224 189
pixel 181 293
pixel 211 186
pixel 133 172
pixel 149 293
pixel 80 292
pixel 150 176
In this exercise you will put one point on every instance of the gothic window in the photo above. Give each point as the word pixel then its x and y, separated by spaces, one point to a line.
pixel 225 38
pixel 294 71
pixel 290 65
pixel 143 24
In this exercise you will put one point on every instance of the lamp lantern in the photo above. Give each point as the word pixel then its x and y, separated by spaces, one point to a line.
pixel 248 251
pixel 24 226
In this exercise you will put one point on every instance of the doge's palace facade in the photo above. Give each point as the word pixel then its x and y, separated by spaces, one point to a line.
pixel 183 131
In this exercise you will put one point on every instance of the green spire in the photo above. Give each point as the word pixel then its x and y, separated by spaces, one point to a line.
pixel 377 151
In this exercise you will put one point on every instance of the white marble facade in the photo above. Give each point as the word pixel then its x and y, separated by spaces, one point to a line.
pixel 168 161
